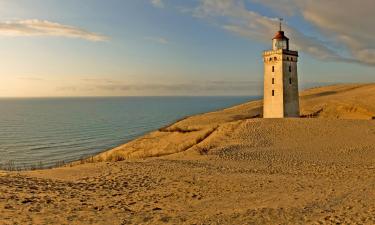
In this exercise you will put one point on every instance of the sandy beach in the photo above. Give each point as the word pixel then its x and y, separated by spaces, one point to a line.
pixel 224 167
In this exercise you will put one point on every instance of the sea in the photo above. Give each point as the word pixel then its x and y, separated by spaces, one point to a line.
pixel 45 132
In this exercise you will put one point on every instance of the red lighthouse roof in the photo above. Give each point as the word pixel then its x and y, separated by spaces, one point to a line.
pixel 280 36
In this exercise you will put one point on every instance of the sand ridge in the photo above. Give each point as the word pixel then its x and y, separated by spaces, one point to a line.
pixel 333 102
pixel 225 167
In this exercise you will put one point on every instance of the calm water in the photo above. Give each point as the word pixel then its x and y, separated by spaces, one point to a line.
pixel 47 131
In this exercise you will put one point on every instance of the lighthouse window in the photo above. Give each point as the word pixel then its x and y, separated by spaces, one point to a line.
pixel 290 68
pixel 273 92
pixel 290 80
pixel 273 80
pixel 273 69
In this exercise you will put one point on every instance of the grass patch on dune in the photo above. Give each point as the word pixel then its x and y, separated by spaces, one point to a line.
pixel 178 130
pixel 12 166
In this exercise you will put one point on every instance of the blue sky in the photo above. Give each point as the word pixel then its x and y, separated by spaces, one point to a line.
pixel 173 47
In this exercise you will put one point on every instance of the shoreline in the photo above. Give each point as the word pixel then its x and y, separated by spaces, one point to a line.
pixel 251 110
pixel 299 171
pixel 111 154
pixel 41 159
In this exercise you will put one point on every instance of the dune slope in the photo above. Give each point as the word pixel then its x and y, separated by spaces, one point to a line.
pixel 332 102
pixel 225 167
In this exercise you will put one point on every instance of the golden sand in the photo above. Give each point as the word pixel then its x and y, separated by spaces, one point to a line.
pixel 224 167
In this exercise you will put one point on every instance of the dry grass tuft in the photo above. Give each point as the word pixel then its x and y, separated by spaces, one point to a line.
pixel 178 130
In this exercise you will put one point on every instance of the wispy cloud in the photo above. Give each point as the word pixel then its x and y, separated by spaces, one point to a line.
pixel 160 40
pixel 158 3
pixel 201 87
pixel 188 86
pixel 99 80
pixel 233 16
pixel 35 27
pixel 31 78
pixel 348 23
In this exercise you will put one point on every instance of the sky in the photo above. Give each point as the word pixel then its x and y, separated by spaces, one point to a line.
pixel 176 47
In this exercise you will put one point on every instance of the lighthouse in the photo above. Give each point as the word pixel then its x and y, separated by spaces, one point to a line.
pixel 281 97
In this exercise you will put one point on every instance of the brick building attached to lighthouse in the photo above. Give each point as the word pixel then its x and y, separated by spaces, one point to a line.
pixel 281 98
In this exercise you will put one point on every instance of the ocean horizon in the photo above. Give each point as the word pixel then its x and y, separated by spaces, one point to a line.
pixel 46 132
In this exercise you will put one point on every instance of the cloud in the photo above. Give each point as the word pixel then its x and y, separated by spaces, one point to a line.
pixel 284 7
pixel 99 80
pixel 233 16
pixel 31 78
pixel 29 28
pixel 160 40
pixel 158 3
pixel 348 23
pixel 206 86
pixel 189 87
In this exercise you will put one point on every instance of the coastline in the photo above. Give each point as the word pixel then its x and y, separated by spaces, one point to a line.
pixel 248 170
pixel 88 126
pixel 196 127
pixel 192 130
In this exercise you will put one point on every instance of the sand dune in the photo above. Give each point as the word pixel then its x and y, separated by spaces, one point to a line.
pixel 225 167
pixel 332 102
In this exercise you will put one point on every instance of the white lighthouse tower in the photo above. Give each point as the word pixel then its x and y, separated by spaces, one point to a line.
pixel 280 79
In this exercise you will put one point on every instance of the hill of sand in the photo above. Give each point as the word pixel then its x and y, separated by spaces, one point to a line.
pixel 224 167
pixel 332 102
